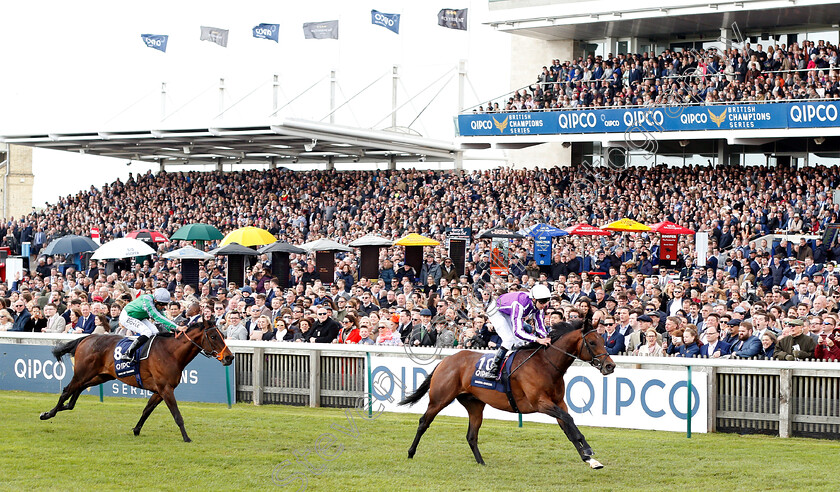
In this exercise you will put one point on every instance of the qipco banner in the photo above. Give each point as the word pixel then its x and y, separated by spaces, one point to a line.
pixel 33 368
pixel 654 119
pixel 628 398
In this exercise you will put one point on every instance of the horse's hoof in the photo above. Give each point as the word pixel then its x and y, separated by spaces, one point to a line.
pixel 187 439
pixel 136 432
pixel 45 415
pixel 594 464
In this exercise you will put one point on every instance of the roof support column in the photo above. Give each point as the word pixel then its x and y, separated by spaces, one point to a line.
pixel 392 163
pixel 330 163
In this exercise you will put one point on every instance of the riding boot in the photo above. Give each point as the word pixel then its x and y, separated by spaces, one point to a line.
pixel 496 365
pixel 128 356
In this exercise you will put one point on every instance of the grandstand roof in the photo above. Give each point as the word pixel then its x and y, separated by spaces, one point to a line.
pixel 285 142
pixel 594 19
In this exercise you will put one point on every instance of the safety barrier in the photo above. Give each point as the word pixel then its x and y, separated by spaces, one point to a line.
pixel 743 396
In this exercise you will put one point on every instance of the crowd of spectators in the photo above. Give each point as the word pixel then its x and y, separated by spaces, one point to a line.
pixel 707 76
pixel 753 295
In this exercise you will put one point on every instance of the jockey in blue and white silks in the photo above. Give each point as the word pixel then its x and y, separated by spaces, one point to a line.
pixel 507 319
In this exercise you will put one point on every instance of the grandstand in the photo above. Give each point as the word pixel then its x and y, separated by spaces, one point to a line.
pixel 794 44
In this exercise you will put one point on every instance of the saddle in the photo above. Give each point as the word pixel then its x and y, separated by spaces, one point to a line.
pixel 123 368
pixel 480 377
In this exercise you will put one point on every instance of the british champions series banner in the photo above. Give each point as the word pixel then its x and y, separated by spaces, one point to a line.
pixel 388 21
pixel 214 35
pixel 656 119
pixel 321 30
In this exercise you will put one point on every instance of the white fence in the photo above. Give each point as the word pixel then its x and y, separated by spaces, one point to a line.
pixel 745 396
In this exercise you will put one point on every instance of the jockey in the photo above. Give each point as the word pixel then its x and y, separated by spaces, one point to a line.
pixel 512 309
pixel 138 315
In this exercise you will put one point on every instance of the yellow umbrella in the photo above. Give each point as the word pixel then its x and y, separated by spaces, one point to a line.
pixel 626 225
pixel 415 239
pixel 249 236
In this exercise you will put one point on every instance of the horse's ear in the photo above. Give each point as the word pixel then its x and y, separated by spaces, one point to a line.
pixel 587 323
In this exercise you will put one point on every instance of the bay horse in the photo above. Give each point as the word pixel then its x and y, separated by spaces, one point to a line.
pixel 160 372
pixel 536 383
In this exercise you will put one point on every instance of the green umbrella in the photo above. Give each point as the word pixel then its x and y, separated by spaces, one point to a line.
pixel 197 232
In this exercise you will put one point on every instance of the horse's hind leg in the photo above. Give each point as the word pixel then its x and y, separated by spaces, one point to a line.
pixel 101 378
pixel 475 408
pixel 437 403
pixel 154 401
pixel 567 423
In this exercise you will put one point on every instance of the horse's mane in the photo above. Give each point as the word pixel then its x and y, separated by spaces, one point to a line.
pixel 558 330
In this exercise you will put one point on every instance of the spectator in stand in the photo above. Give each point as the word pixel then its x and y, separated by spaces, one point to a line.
pixel 689 347
pixel 768 345
pixel 235 330
pixel 651 347
pixel 796 346
pixel 613 340
pixel 828 345
pixel 6 320
pixel 325 329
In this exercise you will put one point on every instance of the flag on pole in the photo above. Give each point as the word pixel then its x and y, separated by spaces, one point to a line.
pixel 214 35
pixel 453 18
pixel 155 41
pixel 388 21
pixel 268 31
pixel 321 30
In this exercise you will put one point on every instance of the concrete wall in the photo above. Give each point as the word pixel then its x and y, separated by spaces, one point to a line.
pixel 16 190
pixel 528 56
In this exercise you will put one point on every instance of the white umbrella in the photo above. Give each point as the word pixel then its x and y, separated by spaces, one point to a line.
pixel 188 253
pixel 324 245
pixel 372 240
pixel 123 247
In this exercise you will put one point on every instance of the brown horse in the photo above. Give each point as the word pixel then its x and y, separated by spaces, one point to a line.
pixel 160 373
pixel 537 384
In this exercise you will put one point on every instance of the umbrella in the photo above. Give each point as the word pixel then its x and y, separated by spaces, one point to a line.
pixel 281 247
pixel 249 236
pixel 666 227
pixel 586 230
pixel 148 236
pixel 188 253
pixel 626 225
pixel 123 247
pixel 70 245
pixel 415 239
pixel 499 232
pixel 197 232
pixel 372 240
pixel 545 230
pixel 325 245
pixel 234 249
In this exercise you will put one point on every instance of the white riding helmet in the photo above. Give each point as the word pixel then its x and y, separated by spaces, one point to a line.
pixel 540 293
pixel 162 296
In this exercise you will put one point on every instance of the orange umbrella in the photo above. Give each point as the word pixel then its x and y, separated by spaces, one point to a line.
pixel 626 225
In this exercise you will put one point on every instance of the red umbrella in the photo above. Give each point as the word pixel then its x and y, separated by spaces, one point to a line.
pixel 148 236
pixel 666 227
pixel 586 230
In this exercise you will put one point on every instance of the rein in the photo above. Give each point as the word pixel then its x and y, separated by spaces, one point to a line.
pixel 596 359
pixel 203 351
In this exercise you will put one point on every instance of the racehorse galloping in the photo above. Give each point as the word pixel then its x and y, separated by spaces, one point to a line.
pixel 537 385
pixel 160 373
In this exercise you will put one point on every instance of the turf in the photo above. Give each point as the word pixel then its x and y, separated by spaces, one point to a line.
pixel 274 447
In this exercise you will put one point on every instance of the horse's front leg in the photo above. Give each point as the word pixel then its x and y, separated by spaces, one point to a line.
pixel 561 412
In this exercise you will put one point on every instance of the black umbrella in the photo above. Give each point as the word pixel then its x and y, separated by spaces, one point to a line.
pixel 70 245
pixel 234 249
pixel 281 247
pixel 499 232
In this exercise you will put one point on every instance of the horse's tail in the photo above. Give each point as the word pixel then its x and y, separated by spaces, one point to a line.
pixel 420 392
pixel 67 348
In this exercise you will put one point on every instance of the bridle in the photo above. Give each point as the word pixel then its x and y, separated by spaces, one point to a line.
pixel 206 353
pixel 596 361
